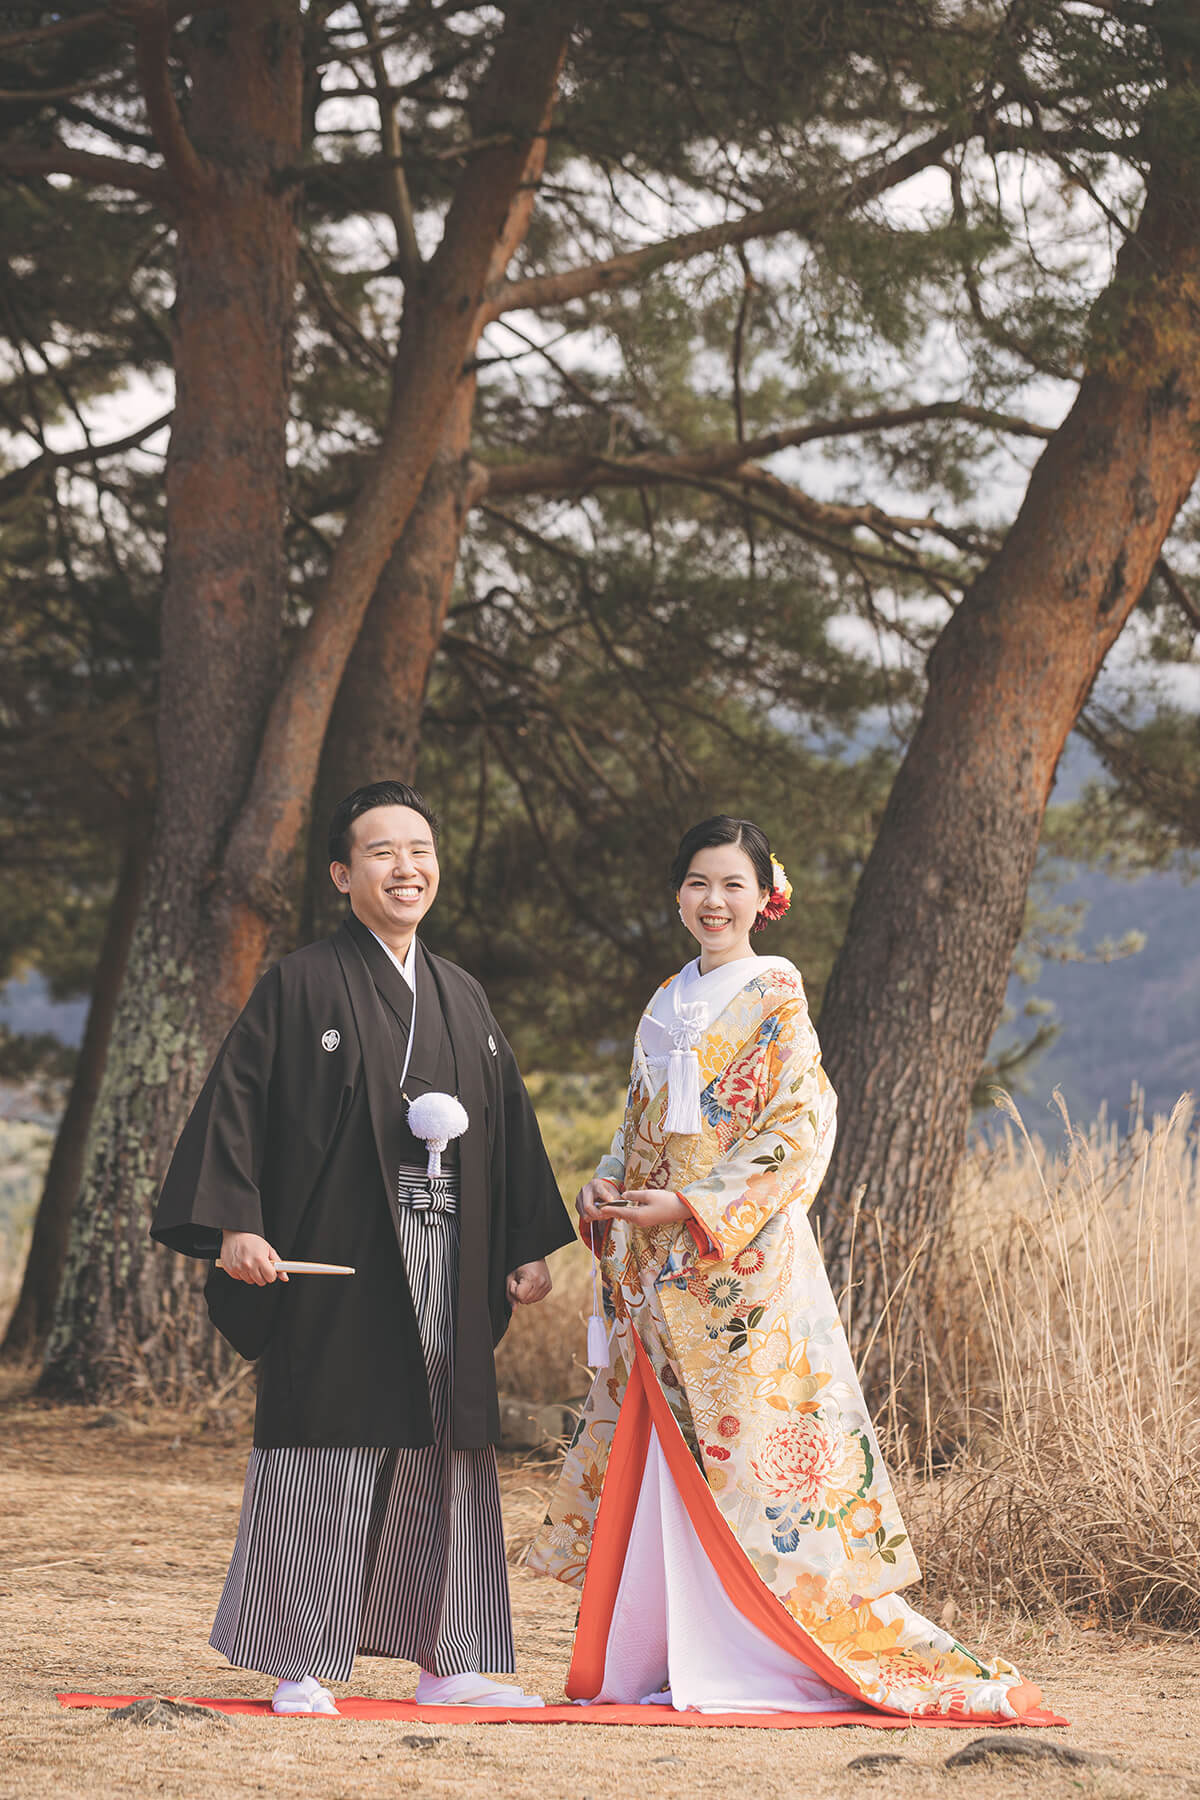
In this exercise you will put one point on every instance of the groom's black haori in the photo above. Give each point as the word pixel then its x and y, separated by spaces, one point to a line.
pixel 301 1144
pixel 376 1392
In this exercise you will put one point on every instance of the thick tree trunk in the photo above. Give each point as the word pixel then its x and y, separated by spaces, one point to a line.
pixel 33 1315
pixel 374 730
pixel 441 323
pixel 127 1315
pixel 919 983
pixel 375 727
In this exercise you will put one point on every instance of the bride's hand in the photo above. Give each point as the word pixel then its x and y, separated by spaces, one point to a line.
pixel 592 1196
pixel 647 1207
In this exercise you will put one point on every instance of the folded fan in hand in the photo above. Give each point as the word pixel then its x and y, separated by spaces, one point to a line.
pixel 306 1268
pixel 435 1119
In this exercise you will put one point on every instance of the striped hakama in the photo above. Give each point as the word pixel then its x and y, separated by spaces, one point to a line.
pixel 378 1552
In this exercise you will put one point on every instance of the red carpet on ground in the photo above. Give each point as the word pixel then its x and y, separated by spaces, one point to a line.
pixel 407 1712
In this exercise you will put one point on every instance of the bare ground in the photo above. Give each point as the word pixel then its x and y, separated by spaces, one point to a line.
pixel 114 1533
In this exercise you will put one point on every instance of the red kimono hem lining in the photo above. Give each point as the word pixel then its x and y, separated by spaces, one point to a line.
pixel 643 1409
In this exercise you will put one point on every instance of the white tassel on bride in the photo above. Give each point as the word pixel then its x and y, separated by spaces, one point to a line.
pixel 683 1067
pixel 599 1331
pixel 436 1119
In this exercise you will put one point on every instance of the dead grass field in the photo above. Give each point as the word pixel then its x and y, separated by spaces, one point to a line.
pixel 113 1538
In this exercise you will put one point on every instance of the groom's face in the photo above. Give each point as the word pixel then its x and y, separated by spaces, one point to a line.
pixel 392 876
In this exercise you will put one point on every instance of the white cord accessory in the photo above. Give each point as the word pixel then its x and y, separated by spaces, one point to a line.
pixel 436 1119
pixel 683 1067
pixel 599 1331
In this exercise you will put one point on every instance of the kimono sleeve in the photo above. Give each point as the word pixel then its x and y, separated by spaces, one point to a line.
pixel 536 1219
pixel 783 1156
pixel 213 1183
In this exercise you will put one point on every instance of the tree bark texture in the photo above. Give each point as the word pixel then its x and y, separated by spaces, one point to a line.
pixel 374 729
pixel 439 330
pixel 128 1313
pixel 919 983
pixel 33 1315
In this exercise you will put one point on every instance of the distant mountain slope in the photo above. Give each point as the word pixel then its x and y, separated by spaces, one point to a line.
pixel 1137 1020
pixel 26 1006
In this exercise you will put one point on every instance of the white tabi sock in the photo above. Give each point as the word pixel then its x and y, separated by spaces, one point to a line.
pixel 307 1696
pixel 470 1690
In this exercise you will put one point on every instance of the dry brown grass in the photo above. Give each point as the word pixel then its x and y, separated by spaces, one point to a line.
pixel 1053 1382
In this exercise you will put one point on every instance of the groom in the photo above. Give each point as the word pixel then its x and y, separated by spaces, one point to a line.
pixel 371 1516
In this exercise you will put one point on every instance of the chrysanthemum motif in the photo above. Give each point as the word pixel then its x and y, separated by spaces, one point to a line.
pixel 798 1460
pixel 724 1292
pixel 748 1261
pixel 569 1533
pixel 729 1425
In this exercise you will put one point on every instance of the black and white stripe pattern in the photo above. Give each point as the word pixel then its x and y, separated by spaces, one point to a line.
pixel 383 1552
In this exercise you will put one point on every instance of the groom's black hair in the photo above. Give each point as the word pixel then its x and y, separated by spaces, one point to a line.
pixel 376 793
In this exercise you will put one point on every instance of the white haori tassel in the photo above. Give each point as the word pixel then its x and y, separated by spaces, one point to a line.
pixel 435 1119
pixel 683 1068
pixel 599 1333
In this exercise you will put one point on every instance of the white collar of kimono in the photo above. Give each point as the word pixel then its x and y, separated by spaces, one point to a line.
pixel 408 967
pixel 675 1023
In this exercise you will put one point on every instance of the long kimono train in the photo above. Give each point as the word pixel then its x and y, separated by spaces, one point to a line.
pixel 723 1503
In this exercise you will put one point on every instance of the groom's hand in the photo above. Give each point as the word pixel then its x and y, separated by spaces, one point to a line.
pixel 248 1257
pixel 528 1284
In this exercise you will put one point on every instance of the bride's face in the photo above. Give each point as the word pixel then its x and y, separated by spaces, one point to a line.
pixel 720 900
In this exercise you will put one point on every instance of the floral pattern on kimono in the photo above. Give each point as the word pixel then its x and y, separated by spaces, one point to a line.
pixel 736 1313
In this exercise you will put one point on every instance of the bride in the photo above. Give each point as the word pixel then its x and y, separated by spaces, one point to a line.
pixel 723 1504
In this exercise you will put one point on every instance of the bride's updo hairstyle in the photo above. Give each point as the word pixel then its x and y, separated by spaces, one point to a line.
pixel 722 829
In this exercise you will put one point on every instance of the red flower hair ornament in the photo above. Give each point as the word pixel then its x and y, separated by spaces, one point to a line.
pixel 780 900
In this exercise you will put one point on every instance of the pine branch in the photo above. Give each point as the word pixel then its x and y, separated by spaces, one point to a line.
pixel 44 34
pixel 30 96
pixel 796 215
pixel 110 128
pixel 408 254
pixel 341 326
pixel 24 160
pixel 1178 592
pixel 570 474
pixel 18 481
pixel 186 168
